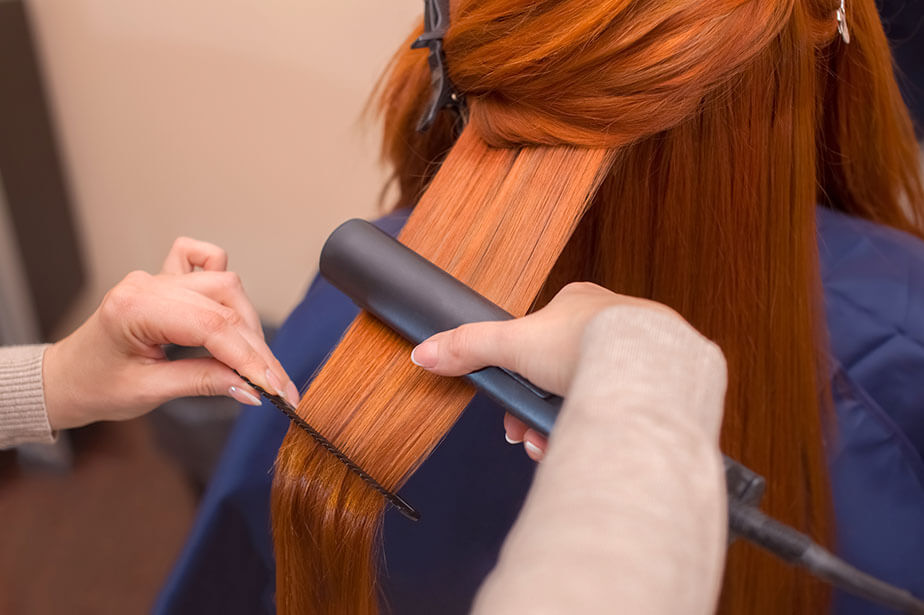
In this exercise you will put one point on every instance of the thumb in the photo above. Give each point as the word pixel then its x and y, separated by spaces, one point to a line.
pixel 197 378
pixel 469 348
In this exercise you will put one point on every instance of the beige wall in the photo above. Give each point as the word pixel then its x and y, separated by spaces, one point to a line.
pixel 233 121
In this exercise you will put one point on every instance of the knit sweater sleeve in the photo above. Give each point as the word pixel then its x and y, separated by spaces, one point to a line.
pixel 627 510
pixel 22 398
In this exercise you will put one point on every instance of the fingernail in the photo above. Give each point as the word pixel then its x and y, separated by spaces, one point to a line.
pixel 510 440
pixel 243 396
pixel 535 450
pixel 424 355
pixel 292 393
pixel 274 383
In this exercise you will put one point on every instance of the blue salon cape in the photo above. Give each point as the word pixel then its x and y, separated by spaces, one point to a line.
pixel 470 490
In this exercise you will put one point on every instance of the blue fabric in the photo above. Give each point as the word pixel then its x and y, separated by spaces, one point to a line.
pixel 471 488
pixel 874 294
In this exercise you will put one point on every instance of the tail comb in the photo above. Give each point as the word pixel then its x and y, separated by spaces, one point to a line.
pixel 289 410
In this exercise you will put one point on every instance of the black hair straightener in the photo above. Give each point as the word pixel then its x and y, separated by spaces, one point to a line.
pixel 418 299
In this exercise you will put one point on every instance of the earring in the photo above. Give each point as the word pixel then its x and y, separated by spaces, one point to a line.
pixel 842 23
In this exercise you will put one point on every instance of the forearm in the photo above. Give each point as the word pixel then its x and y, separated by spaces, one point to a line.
pixel 627 511
pixel 22 401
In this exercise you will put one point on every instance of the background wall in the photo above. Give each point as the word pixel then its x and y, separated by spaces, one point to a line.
pixel 233 121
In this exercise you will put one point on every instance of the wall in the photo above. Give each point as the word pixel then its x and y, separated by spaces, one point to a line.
pixel 232 121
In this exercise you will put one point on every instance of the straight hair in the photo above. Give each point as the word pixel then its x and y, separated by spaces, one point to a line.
pixel 668 149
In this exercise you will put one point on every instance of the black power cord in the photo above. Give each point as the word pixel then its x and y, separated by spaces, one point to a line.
pixel 798 549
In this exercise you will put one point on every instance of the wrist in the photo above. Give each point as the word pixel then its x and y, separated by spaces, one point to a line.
pixel 656 360
pixel 58 384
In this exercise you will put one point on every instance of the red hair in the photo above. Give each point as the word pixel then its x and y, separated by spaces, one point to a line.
pixel 669 149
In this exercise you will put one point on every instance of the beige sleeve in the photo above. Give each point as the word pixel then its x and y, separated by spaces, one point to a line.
pixel 627 513
pixel 22 398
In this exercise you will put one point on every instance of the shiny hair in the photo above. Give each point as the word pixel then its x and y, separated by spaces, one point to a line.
pixel 669 149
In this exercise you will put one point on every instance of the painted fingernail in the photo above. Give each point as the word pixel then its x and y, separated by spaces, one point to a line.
pixel 243 396
pixel 275 385
pixel 534 450
pixel 292 393
pixel 510 440
pixel 424 355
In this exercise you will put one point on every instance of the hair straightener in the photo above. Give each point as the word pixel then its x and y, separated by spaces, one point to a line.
pixel 418 299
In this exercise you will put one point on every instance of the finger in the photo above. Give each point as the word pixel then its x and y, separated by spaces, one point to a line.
pixel 535 444
pixel 164 314
pixel 220 336
pixel 227 285
pixel 187 254
pixel 469 348
pixel 515 429
pixel 194 378
pixel 224 287
pixel 275 379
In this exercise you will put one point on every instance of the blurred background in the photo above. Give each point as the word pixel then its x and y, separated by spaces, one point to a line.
pixel 126 123
pixel 123 124
pixel 237 122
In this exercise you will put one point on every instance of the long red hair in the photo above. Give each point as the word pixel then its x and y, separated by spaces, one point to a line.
pixel 669 149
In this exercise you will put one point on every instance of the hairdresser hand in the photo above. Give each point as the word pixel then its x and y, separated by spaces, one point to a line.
pixel 543 347
pixel 113 367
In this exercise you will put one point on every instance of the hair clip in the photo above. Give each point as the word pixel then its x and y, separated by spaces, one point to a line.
pixel 842 29
pixel 443 94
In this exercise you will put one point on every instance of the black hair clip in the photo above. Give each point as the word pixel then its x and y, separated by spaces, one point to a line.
pixel 443 94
